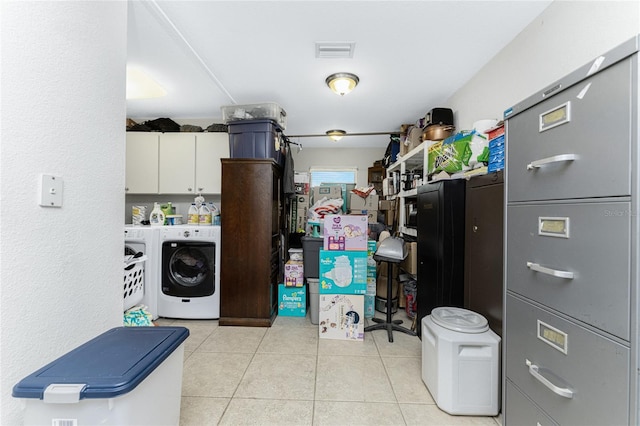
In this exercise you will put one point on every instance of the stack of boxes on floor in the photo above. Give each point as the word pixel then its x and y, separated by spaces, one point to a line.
pixel 338 266
pixel 292 295
pixel 343 277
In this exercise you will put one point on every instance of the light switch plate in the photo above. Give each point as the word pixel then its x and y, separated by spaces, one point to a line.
pixel 50 191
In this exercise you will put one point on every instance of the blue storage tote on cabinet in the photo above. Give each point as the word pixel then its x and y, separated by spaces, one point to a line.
pixel 125 376
pixel 256 139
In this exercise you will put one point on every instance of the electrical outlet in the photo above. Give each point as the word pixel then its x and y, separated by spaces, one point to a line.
pixel 50 191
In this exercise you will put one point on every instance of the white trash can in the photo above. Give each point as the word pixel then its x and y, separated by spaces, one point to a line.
pixel 461 362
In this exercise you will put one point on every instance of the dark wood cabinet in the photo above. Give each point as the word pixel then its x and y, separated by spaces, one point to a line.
pixel 252 221
pixel 483 285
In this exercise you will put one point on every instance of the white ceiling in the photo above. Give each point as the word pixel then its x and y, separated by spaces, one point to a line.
pixel 411 56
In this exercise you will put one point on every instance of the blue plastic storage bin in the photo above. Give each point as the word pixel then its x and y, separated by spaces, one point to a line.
pixel 125 376
pixel 256 139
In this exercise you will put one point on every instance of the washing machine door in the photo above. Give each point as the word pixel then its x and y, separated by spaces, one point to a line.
pixel 459 319
pixel 188 268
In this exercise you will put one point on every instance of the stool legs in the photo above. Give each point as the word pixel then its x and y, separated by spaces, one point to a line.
pixel 389 324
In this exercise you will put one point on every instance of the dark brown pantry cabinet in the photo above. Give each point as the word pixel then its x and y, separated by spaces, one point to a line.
pixel 484 221
pixel 252 222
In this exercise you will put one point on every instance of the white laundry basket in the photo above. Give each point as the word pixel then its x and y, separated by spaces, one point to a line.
pixel 133 280
pixel 461 362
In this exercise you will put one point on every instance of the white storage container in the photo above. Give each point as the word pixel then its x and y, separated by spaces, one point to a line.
pixel 461 362
pixel 125 376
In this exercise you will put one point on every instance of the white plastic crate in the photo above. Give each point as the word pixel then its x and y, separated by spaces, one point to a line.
pixel 133 280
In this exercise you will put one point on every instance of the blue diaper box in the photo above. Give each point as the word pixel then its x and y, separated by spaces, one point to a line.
pixel 343 272
pixel 292 301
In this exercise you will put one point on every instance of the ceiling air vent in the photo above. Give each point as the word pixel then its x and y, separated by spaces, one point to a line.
pixel 334 49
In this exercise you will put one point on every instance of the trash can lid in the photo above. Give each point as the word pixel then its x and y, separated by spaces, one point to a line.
pixel 459 319
pixel 109 365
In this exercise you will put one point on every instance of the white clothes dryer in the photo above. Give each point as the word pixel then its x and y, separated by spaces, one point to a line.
pixel 145 239
pixel 189 272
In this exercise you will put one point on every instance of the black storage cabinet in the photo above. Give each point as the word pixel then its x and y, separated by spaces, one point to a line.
pixel 440 246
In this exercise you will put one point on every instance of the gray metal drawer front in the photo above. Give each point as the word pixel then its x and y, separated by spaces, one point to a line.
pixel 587 156
pixel 521 411
pixel 586 275
pixel 586 386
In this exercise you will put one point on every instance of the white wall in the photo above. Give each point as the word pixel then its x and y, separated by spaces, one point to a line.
pixel 360 158
pixel 63 112
pixel 567 35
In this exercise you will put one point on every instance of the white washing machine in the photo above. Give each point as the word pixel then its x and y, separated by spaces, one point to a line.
pixel 145 239
pixel 189 272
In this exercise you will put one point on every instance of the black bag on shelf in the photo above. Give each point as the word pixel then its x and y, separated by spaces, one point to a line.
pixel 163 125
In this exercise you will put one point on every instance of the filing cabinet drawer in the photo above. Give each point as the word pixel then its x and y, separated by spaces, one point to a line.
pixel 547 243
pixel 522 411
pixel 588 156
pixel 586 375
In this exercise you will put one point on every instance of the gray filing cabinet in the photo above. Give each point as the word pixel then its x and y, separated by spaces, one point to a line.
pixel 571 248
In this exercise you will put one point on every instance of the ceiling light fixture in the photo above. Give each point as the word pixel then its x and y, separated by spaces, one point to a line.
pixel 336 134
pixel 342 82
pixel 141 86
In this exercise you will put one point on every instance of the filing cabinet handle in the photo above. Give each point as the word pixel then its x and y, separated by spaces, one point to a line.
pixel 534 371
pixel 553 272
pixel 549 160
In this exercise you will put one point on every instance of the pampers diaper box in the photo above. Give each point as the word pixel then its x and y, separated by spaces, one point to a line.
pixel 341 316
pixel 342 272
pixel 345 232
pixel 292 301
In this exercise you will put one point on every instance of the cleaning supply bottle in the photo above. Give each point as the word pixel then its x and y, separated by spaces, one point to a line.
pixel 156 218
pixel 193 216
pixel 215 214
pixel 204 215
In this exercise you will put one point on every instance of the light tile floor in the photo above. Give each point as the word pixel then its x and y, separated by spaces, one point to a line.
pixel 286 375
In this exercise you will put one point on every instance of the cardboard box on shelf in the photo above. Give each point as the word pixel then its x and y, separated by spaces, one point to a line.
pixel 359 203
pixel 301 182
pixel 294 273
pixel 410 263
pixel 341 316
pixel 387 205
pixel 292 301
pixel 302 209
pixel 345 232
pixel 343 272
pixel 389 217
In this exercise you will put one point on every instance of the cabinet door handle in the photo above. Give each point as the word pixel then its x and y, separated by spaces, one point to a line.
pixel 189 189
pixel 550 160
pixel 200 189
pixel 534 371
pixel 553 272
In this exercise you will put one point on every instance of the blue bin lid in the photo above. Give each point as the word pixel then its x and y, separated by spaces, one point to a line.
pixel 107 366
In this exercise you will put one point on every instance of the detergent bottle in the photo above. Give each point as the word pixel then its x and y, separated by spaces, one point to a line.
pixel 193 217
pixel 215 214
pixel 156 218
pixel 204 215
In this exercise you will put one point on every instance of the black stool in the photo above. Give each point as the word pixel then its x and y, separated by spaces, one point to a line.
pixel 391 252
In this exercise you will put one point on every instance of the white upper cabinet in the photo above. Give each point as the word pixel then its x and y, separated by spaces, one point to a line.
pixel 177 163
pixel 210 148
pixel 190 162
pixel 141 163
